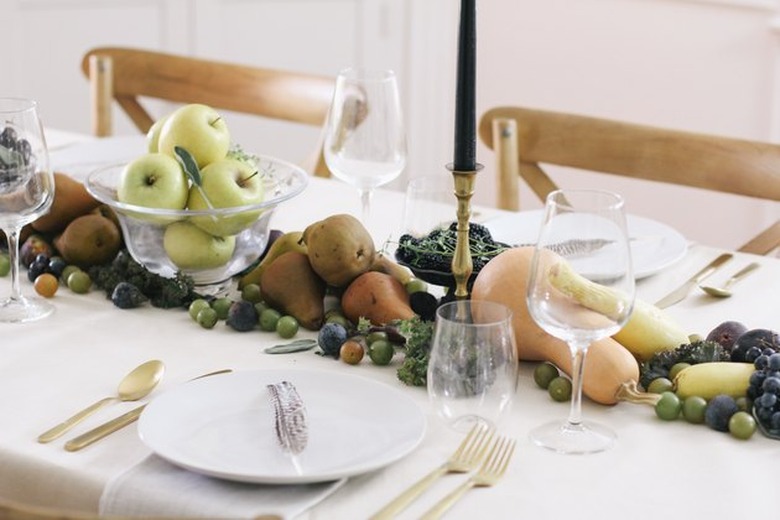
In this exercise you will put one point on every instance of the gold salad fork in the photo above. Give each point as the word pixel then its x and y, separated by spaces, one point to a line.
pixel 465 458
pixel 489 474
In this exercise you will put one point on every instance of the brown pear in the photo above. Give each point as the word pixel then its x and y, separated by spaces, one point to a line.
pixel 290 285
pixel 340 249
pixel 90 239
pixel 71 200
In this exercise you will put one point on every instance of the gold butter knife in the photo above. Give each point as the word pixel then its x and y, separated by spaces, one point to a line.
pixel 107 428
pixel 681 292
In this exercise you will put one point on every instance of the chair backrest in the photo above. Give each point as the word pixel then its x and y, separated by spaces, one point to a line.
pixel 125 75
pixel 523 138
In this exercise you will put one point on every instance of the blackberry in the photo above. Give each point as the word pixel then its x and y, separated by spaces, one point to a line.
pixel 127 296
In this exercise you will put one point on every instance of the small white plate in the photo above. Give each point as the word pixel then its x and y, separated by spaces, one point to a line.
pixel 654 245
pixel 223 426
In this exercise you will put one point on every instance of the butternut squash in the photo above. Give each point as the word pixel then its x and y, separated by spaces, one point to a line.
pixel 609 367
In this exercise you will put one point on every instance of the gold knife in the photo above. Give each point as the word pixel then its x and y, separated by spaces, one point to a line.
pixel 107 428
pixel 681 292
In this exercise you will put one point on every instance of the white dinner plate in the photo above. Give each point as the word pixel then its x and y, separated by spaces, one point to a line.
pixel 223 426
pixel 654 245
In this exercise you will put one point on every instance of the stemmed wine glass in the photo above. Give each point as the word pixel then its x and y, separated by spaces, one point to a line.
pixel 472 370
pixel 365 141
pixel 26 193
pixel 581 289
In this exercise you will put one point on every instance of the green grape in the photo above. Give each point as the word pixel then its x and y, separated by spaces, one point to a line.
pixel 742 425
pixel 693 408
pixel 544 374
pixel 207 317
pixel 560 389
pixel 287 327
pixel 251 293
pixel 381 352
pixel 268 319
pixel 5 265
pixel 222 306
pixel 196 306
pixel 668 406
pixel 660 385
pixel 79 282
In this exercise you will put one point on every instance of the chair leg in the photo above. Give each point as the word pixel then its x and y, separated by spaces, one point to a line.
pixel 101 79
pixel 764 243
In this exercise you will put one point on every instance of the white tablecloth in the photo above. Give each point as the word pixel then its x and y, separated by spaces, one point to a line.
pixel 54 367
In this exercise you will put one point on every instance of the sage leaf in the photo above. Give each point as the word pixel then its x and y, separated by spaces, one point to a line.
pixel 299 345
pixel 188 164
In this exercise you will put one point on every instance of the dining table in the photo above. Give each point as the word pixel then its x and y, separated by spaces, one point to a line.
pixel 657 469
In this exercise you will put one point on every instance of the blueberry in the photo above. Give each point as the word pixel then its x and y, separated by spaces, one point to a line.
pixel 767 401
pixel 757 378
pixel 774 421
pixel 127 296
pixel 752 354
pixel 771 385
pixel 774 362
pixel 719 411
pixel 331 337
pixel 242 316
pixel 37 267
pixel 57 265
pixel 761 362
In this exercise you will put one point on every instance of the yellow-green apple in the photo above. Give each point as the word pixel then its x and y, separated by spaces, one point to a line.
pixel 189 247
pixel 153 135
pixel 200 130
pixel 226 184
pixel 154 180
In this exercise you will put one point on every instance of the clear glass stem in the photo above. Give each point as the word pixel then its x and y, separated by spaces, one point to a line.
pixel 578 351
pixel 12 236
pixel 365 202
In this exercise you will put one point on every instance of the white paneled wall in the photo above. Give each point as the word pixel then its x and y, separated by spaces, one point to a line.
pixel 701 65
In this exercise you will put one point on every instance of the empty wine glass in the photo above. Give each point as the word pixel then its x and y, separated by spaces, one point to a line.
pixel 429 204
pixel 26 193
pixel 581 289
pixel 472 370
pixel 365 141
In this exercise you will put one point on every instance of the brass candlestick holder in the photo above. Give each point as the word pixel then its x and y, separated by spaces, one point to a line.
pixel 462 265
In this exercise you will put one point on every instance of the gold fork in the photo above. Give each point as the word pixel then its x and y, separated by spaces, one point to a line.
pixel 465 458
pixel 489 474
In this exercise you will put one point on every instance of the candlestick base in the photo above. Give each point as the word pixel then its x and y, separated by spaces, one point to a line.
pixel 462 264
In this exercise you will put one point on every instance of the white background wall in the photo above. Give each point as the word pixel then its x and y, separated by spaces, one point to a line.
pixel 702 65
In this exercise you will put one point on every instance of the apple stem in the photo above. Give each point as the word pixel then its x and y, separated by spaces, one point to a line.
pixel 242 182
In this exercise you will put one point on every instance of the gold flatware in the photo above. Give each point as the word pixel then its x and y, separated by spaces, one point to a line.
pixel 134 386
pixel 681 292
pixel 107 428
pixel 466 458
pixel 725 291
pixel 489 474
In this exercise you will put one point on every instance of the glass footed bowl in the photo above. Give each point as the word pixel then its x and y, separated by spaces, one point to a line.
pixel 143 228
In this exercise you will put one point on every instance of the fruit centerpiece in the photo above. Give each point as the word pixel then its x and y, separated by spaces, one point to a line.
pixel 193 203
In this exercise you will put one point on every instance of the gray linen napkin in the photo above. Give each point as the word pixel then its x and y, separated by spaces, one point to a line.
pixel 155 487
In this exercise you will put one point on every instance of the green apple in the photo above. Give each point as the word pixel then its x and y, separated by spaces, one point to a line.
pixel 189 247
pixel 200 130
pixel 154 180
pixel 153 135
pixel 226 184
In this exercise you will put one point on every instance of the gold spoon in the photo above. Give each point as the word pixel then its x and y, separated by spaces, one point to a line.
pixel 134 386
pixel 725 291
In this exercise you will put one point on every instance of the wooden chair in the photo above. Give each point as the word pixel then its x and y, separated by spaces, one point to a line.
pixel 125 75
pixel 523 138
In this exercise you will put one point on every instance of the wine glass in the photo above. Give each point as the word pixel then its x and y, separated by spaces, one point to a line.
pixel 365 141
pixel 472 370
pixel 581 289
pixel 26 193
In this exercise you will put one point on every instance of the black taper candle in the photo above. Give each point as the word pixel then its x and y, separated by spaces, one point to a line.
pixel 465 94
